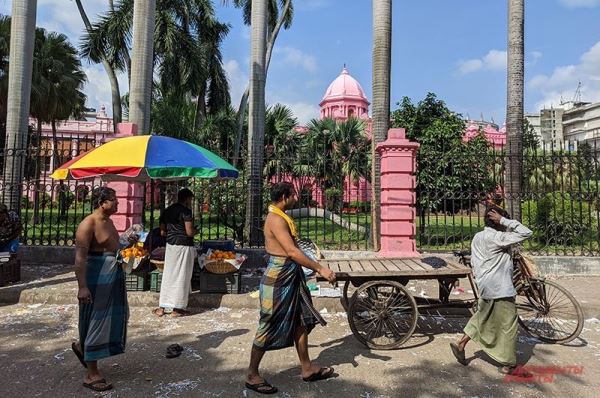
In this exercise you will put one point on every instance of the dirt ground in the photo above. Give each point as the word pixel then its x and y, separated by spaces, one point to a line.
pixel 36 360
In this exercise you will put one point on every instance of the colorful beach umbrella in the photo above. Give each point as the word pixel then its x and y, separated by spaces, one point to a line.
pixel 146 156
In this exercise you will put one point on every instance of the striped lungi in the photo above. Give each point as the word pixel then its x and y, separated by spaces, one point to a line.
pixel 103 322
pixel 285 305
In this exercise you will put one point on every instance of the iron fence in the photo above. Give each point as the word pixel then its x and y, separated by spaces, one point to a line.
pixel 559 198
pixel 333 212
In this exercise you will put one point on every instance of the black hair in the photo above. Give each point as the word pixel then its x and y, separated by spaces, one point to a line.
pixel 281 189
pixel 486 215
pixel 184 194
pixel 101 195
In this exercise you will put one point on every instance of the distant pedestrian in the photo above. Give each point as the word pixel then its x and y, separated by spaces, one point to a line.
pixel 494 325
pixel 103 309
pixel 177 224
pixel 10 229
pixel 287 315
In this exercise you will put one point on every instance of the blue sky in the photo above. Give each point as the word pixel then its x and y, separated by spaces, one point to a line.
pixel 455 48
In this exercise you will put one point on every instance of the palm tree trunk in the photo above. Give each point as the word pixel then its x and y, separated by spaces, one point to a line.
pixel 112 77
pixel 244 100
pixel 140 90
pixel 200 107
pixel 382 41
pixel 514 105
pixel 22 35
pixel 256 123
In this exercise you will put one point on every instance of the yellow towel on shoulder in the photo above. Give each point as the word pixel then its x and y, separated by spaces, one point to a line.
pixel 288 219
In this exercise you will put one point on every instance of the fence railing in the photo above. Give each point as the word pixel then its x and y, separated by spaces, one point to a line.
pixel 559 200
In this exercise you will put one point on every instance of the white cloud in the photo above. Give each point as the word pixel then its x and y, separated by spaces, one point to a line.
pixel 535 56
pixel 562 83
pixel 493 60
pixel 303 111
pixel 471 65
pixel 238 80
pixel 580 3
pixel 295 57
pixel 98 87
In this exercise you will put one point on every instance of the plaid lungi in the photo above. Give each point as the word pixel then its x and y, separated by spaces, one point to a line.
pixel 285 305
pixel 103 322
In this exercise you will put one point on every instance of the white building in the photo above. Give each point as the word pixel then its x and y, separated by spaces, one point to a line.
pixel 568 125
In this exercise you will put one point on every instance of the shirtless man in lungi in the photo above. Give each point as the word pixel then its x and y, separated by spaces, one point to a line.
pixel 286 312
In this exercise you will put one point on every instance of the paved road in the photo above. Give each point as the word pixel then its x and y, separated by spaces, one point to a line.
pixel 36 361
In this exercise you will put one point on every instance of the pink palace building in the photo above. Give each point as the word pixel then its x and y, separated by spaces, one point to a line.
pixel 344 98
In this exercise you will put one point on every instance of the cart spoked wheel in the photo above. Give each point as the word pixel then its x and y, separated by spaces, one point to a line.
pixel 548 311
pixel 345 299
pixel 382 314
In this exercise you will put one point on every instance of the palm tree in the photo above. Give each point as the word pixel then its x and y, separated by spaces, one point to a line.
pixel 110 71
pixel 514 105
pixel 142 63
pixel 22 38
pixel 256 123
pixel 56 92
pixel 382 41
pixel 282 143
pixel 278 17
pixel 181 27
pixel 336 150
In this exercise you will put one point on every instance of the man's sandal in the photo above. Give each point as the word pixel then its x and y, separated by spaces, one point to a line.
pixel 98 385
pixel 322 374
pixel 262 388
pixel 79 354
pixel 458 354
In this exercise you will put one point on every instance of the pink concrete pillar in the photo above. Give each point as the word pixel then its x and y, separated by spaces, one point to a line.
pixel 129 194
pixel 398 198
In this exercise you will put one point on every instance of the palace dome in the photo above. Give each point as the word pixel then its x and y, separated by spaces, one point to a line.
pixel 344 87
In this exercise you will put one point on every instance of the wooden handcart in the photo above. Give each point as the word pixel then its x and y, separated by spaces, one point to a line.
pixel 382 313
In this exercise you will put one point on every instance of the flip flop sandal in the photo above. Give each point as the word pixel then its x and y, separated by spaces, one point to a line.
pixel 95 387
pixel 262 388
pixel 515 371
pixel 179 313
pixel 78 354
pixel 458 354
pixel 322 374
pixel 174 350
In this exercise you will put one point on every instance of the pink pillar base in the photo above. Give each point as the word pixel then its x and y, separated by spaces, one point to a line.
pixel 130 195
pixel 398 199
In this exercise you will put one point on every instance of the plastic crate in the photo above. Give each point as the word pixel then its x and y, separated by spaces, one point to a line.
pixel 220 283
pixel 136 282
pixel 155 280
pixel 10 269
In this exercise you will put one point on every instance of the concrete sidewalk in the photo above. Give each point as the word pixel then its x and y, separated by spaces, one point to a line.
pixel 37 360
pixel 56 284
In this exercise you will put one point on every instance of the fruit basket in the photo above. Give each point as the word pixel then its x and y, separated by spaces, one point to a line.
pixel 221 262
pixel 133 256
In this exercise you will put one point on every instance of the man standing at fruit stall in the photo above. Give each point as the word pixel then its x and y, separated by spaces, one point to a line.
pixel 287 315
pixel 177 225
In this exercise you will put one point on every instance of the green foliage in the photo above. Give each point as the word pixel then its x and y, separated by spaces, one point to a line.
pixel 451 174
pixel 362 206
pixel 560 218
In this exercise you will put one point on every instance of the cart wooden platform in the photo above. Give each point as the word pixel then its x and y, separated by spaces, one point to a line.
pixel 381 312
